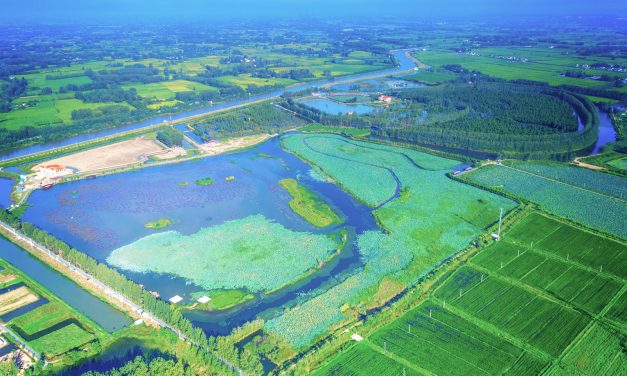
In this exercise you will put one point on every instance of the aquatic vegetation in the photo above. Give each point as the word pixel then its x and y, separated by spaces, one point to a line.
pixel 230 178
pixel 252 253
pixel 308 205
pixel 575 202
pixel 205 181
pixel 182 184
pixel 158 224
pixel 432 218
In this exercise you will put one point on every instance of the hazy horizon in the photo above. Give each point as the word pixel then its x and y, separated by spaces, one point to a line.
pixel 135 11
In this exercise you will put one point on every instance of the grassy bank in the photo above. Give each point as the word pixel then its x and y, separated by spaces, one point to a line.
pixel 309 205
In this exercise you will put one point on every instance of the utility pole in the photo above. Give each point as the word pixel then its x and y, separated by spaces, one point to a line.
pixel 498 237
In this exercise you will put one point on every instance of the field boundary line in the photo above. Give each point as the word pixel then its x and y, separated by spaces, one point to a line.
pixel 532 269
pixel 398 359
pixel 445 350
pixel 491 328
pixel 512 282
pixel 569 185
pixel 612 301
pixel 473 286
pixel 469 336
pixel 513 316
pixel 579 265
pixel 594 276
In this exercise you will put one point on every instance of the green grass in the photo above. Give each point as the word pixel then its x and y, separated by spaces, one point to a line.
pixel 353 132
pixel 41 318
pixel 62 340
pixel 204 182
pixel 158 224
pixel 225 299
pixel 309 205
pixel 543 64
pixel 445 343
pixel 166 90
pixel 362 359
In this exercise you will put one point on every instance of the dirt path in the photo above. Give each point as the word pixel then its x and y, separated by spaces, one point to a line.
pixel 577 161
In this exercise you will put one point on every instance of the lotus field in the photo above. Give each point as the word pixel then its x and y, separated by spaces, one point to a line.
pixel 430 218
pixel 608 184
pixel 252 253
pixel 601 211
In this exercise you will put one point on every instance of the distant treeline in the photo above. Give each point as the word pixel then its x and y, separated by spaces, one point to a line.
pixel 260 118
pixel 508 119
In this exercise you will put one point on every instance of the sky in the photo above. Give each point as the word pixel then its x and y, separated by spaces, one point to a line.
pixel 68 11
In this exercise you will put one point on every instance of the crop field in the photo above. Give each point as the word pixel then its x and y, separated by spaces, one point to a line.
pixel 607 184
pixel 364 360
pixel 244 80
pixel 62 340
pixel 41 318
pixel 427 217
pixel 51 328
pixel 431 76
pixel 575 202
pixel 166 90
pixel 543 64
pixel 252 253
pixel 514 309
pixel 55 109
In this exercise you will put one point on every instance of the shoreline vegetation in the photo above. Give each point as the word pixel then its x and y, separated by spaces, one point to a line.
pixel 309 206
pixel 158 224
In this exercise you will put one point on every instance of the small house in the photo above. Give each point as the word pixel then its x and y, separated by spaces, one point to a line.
pixel 385 99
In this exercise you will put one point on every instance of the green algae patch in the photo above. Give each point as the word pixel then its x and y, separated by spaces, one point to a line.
pixel 252 253
pixel 158 224
pixel 204 181
pixel 308 205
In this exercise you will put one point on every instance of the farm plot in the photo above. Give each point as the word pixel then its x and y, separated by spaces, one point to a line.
pixel 445 343
pixel 41 318
pixel 364 360
pixel 544 324
pixel 16 298
pixel 574 202
pixel 611 185
pixel 60 341
pixel 166 90
pixel 571 244
pixel 566 280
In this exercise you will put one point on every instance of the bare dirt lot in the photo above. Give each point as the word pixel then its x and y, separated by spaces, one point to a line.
pixel 15 299
pixel 109 156
pixel 4 278
pixel 234 144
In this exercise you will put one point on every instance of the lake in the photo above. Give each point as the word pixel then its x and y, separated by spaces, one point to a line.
pixel 332 107
pixel 100 215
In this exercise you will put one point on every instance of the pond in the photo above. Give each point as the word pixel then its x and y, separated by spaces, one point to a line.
pixel 102 313
pixel 100 215
pixel 332 107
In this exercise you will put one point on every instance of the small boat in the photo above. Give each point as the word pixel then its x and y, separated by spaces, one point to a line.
pixel 91 177
pixel 47 186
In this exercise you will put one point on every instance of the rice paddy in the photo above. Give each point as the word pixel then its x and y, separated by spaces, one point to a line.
pixel 517 308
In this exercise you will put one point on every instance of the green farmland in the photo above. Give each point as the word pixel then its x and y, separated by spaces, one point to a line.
pixel 532 303
pixel 575 193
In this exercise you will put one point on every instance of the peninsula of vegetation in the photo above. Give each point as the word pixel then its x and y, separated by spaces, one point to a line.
pixel 158 224
pixel 309 206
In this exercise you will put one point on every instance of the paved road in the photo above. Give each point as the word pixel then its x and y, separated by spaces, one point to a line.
pixel 109 291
